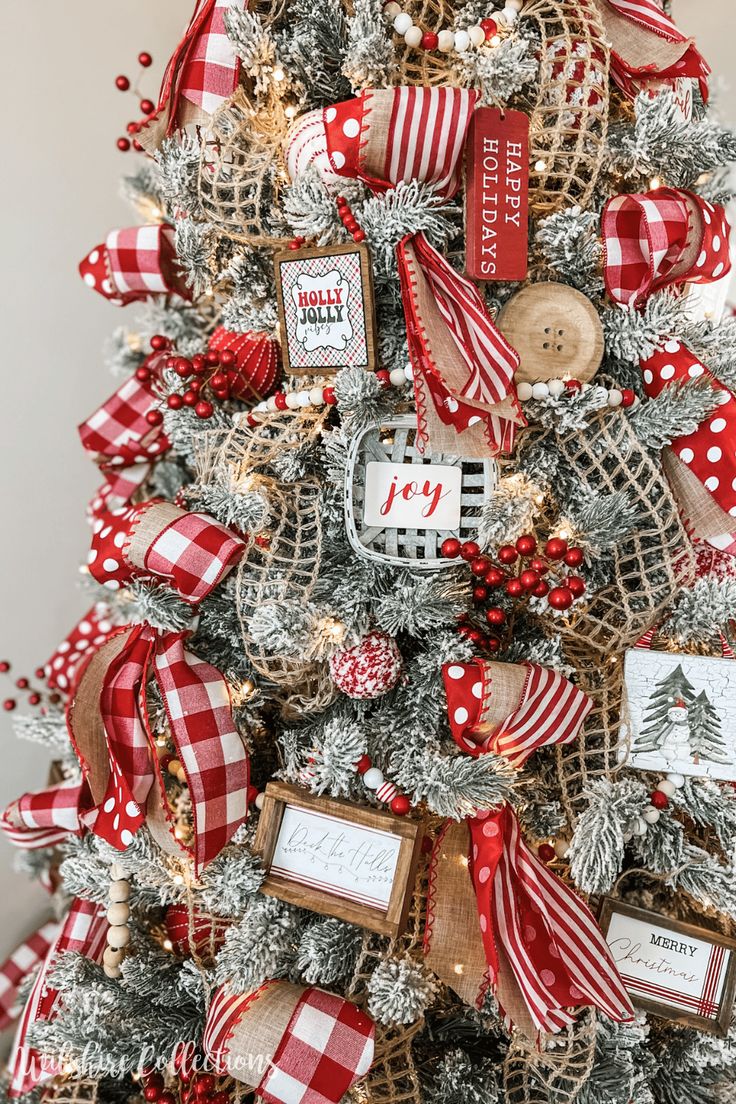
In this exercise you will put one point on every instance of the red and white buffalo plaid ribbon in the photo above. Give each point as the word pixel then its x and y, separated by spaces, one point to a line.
pixel 647 46
pixel 45 818
pixel 511 709
pixel 108 725
pixel 322 1044
pixel 83 931
pixel 539 947
pixel 463 366
pixel 18 965
pixel 133 264
pixel 201 74
pixel 660 238
pixel 190 551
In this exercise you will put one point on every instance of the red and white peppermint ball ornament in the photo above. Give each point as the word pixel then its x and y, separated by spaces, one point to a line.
pixel 369 669
pixel 306 144
pixel 577 77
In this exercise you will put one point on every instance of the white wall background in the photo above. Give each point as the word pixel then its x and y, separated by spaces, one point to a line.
pixel 58 198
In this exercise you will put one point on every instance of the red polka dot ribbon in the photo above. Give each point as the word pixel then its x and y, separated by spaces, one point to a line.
pixel 190 551
pixel 514 925
pixel 89 632
pixel 511 709
pixel 646 46
pixel 133 264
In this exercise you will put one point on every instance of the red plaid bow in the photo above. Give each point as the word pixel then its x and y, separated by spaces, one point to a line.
pixel 325 1047
pixel 18 965
pixel 83 931
pixel 190 551
pixel 463 367
pixel 133 264
pixel 108 725
pixel 511 709
pixel 647 46
pixel 201 74
pixel 660 238
pixel 539 947
pixel 90 632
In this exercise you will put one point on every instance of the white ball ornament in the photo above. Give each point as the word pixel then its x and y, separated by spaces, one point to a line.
pixel 462 41
pixel 446 41
pixel 397 377
pixel 373 778
pixel 413 37
pixel 556 387
pixel 477 35
pixel 402 23
pixel 369 669
pixel 666 787
pixel 524 391
pixel 540 390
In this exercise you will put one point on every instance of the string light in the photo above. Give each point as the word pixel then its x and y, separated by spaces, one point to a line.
pixel 540 165
pixel 459 968
pixel 278 73
pixel 655 183
pixel 178 879
pixel 168 945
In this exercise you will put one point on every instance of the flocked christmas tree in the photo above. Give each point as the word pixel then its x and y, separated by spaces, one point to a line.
pixel 706 739
pixel 430 367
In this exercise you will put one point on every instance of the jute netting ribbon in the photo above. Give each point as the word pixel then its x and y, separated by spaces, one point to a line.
pixel 540 1075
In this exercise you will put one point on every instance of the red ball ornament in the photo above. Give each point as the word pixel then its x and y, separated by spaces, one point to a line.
pixel 145 59
pixel 400 805
pixel 628 397
pixel 123 144
pixel 470 550
pixel 546 852
pixel 495 616
pixel 430 41
pixel 175 402
pixel 555 548
pixel 204 409
pixel 364 763
pixel 526 545
pixel 495 577
pixel 9 705
pixel 507 554
pixel 480 565
pixel 574 557
pixel 575 584
pixel 514 588
pixel 147 107
pixel 659 800
pixel 541 589
pixel 154 417
pixel 122 83
pixel 489 28
pixel 529 579
pixel 450 548
pixel 560 598
pixel 369 669
pixel 480 593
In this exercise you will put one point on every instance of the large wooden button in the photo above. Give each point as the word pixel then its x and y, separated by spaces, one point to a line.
pixel 555 330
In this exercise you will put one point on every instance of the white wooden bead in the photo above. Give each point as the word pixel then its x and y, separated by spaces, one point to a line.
pixel 260 801
pixel 462 41
pixel 615 398
pixel 397 377
pixel 524 391
pixel 666 787
pixel 271 405
pixel 677 780
pixel 112 956
pixel 413 37
pixel 515 5
pixel 540 390
pixel 409 372
pixel 304 399
pixel 391 10
pixel 118 914
pixel 261 407
pixel 118 936
pixel 562 848
pixel 640 827
pixel 651 816
pixel 373 778
pixel 402 23
pixel 316 396
pixel 119 891
pixel 292 402
pixel 117 871
pixel 510 14
pixel 477 35
pixel 556 387
pixel 113 972
pixel 446 41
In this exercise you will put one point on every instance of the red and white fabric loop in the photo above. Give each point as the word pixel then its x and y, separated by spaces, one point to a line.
pixel 133 264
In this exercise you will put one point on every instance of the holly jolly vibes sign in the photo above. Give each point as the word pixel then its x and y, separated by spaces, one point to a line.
pixel 497 195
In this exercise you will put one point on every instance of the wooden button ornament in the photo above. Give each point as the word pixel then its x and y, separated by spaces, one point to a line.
pixel 555 330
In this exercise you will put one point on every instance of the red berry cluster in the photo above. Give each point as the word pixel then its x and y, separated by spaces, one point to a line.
pixel 520 573
pixel 35 696
pixel 193 1088
pixel 212 373
pixel 147 107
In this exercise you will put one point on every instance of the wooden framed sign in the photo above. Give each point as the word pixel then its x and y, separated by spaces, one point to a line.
pixel 337 858
pixel 681 713
pixel 677 971
pixel 325 299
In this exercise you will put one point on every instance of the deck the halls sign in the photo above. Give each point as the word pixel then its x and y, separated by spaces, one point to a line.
pixel 325 299
pixel 497 195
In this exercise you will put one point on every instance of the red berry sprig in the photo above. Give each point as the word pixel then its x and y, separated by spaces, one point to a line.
pixel 36 695
pixel 213 373
pixel 146 106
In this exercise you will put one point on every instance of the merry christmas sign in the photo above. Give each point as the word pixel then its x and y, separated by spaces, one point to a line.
pixel 681 713
pixel 325 299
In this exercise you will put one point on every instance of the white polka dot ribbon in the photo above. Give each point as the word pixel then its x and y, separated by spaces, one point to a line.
pixel 511 708
pixel 498 916
pixel 108 726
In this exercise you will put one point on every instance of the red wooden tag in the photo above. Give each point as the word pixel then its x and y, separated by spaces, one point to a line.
pixel 497 195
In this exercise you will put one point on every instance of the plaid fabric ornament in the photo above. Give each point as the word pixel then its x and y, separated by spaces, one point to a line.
pixel 511 709
pixel 133 264
pixel 646 46
pixel 201 74
pixel 257 366
pixel 293 1043
pixel 660 238
pixel 18 965
pixel 191 551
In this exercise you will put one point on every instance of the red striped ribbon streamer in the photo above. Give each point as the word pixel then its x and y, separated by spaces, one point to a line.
pixel 515 925
pixel 511 709
pixel 45 818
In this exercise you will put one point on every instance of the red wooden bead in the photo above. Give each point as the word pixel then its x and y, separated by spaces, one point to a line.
pixel 204 409
pixel 575 584
pixel 175 402
pixel 159 342
pixel 383 377
pixel 481 565
pixel 507 554
pixel 450 548
pixel 145 59
pixel 358 235
pixel 541 589
pixel 9 704
pixel 122 83
pixel 469 550
pixel 363 764
pixel 560 598
pixel 154 417
pixel 147 107
pixel 555 548
pixel 329 396
pixel 659 800
pixel 480 593
pixel 294 244
pixel 546 852
pixel 430 41
pixel 123 144
pixel 280 400
pixel 514 588
pixel 526 545
pixel 489 28
pixel 400 805
pixel 628 397
pixel 341 201
pixel 495 616
pixel 495 577
pixel 573 385
pixel 574 557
